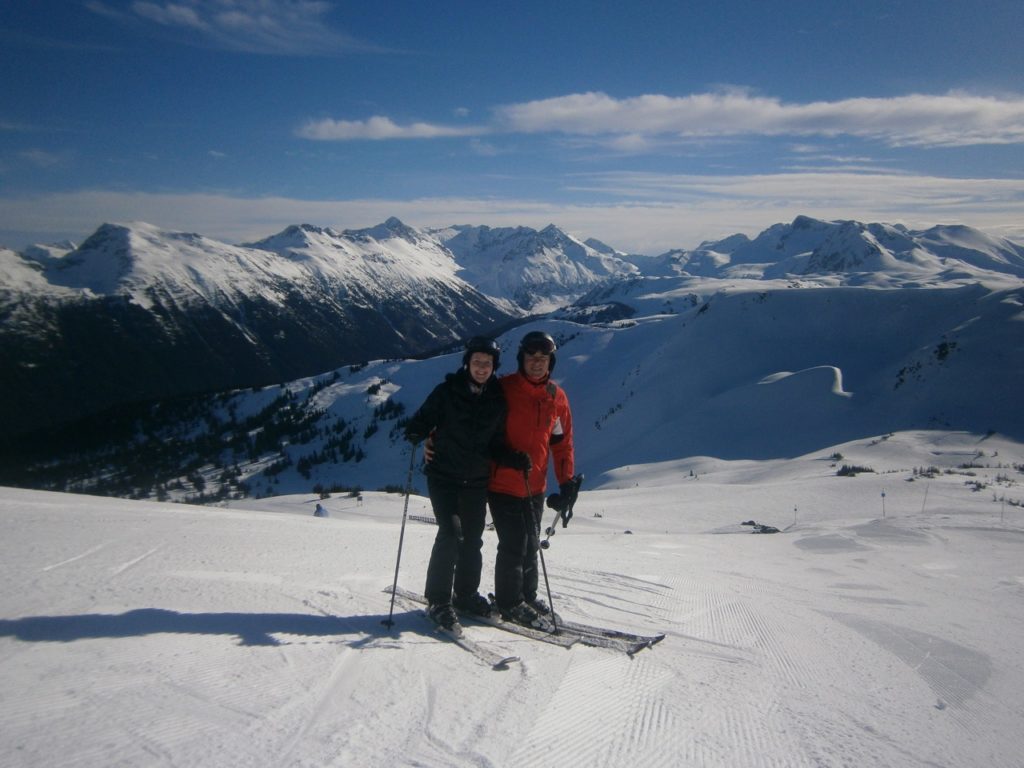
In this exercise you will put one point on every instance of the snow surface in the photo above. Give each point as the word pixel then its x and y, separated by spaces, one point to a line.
pixel 881 628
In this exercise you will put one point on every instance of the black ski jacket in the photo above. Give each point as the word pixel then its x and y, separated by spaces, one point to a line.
pixel 468 429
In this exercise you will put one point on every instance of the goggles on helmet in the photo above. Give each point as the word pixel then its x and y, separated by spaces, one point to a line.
pixel 483 344
pixel 539 348
pixel 539 344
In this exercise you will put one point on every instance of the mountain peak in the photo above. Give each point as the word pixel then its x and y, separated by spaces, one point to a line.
pixel 392 227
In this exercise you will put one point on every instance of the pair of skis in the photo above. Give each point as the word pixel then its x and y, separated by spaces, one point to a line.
pixel 569 634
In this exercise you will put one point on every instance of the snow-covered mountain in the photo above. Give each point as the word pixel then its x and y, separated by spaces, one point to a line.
pixel 192 314
pixel 137 313
pixel 534 271
pixel 19 275
pixel 852 253
pixel 741 370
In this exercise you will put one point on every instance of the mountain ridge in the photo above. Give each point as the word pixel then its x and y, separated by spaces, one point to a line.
pixel 177 313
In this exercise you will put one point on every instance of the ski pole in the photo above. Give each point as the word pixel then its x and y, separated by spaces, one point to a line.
pixel 550 531
pixel 565 514
pixel 388 622
pixel 540 551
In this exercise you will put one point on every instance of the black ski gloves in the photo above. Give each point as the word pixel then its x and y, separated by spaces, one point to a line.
pixel 520 460
pixel 563 501
pixel 568 492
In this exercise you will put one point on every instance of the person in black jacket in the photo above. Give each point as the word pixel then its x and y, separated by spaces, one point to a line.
pixel 464 419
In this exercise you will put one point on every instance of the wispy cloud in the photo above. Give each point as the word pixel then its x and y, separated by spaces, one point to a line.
pixel 40 158
pixel 277 27
pixel 954 119
pixel 379 128
pixel 645 123
pixel 900 193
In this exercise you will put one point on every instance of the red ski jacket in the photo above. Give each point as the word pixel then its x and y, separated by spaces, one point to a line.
pixel 539 422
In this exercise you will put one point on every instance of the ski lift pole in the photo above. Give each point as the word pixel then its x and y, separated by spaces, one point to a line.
pixel 540 550
pixel 389 622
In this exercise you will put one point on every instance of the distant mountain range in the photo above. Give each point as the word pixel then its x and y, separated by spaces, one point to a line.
pixel 138 314
pixel 855 253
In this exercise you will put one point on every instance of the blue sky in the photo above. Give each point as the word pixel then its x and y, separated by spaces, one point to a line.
pixel 650 125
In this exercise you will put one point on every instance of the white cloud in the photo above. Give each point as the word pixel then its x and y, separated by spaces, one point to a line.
pixel 378 128
pixel 953 119
pixel 646 123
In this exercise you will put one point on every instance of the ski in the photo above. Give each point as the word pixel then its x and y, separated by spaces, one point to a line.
pixel 612 634
pixel 603 637
pixel 491 658
pixel 568 635
pixel 563 640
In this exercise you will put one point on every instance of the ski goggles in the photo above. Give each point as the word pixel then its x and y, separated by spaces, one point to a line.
pixel 538 347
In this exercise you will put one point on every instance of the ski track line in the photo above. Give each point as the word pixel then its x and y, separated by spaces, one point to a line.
pixel 605 712
pixel 135 561
pixel 427 739
pixel 70 560
pixel 310 709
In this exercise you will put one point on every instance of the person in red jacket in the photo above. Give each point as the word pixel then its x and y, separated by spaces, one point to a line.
pixel 539 423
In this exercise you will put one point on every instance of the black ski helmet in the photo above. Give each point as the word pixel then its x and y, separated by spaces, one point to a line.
pixel 482 344
pixel 537 341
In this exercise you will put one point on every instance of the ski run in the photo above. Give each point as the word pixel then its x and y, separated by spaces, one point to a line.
pixel 142 634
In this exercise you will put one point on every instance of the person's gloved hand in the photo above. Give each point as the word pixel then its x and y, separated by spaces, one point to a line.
pixel 521 460
pixel 567 492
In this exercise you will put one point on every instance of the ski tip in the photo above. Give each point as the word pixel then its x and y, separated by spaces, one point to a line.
pixel 504 663
pixel 643 646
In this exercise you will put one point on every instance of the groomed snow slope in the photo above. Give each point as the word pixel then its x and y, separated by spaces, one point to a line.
pixel 874 630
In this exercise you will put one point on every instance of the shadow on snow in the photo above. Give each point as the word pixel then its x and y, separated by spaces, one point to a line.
pixel 250 628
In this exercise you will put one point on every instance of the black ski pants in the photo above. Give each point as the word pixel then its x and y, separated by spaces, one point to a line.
pixel 455 560
pixel 516 521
